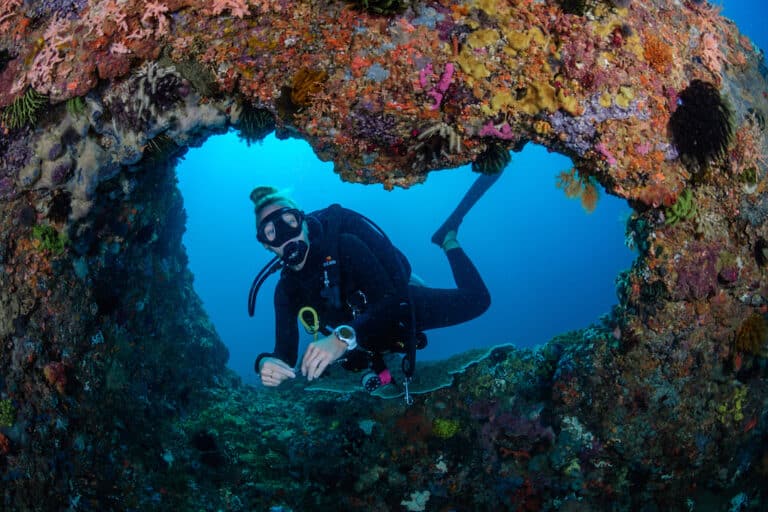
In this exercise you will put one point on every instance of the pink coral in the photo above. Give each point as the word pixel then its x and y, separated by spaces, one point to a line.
pixel 8 11
pixel 438 91
pixel 99 15
pixel 157 12
pixel 502 131
pixel 603 150
pixel 425 72
pixel 237 8
pixel 711 54
pixel 42 73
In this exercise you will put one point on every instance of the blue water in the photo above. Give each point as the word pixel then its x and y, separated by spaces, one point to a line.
pixel 549 265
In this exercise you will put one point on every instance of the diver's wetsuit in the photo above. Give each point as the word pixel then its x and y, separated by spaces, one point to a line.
pixel 382 325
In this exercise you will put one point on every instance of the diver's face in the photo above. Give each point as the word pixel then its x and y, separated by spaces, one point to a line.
pixel 282 230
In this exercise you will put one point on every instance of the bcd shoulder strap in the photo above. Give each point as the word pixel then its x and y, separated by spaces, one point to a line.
pixel 331 291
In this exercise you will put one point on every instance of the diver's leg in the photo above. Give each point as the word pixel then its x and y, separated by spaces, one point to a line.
pixel 475 192
pixel 437 307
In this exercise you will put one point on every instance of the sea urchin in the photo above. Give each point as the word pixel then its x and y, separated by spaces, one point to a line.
pixel 701 127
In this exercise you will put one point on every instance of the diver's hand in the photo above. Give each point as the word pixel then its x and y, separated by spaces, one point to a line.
pixel 320 354
pixel 274 371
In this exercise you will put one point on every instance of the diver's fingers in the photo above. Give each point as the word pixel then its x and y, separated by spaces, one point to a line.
pixel 283 365
pixel 322 364
pixel 284 371
pixel 270 379
pixel 311 353
pixel 273 373
pixel 313 364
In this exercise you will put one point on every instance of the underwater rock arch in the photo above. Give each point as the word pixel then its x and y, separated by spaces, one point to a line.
pixel 105 346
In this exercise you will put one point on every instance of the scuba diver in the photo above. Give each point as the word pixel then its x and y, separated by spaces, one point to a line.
pixel 343 279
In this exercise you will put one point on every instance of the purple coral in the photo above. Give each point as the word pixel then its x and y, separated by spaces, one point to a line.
pixel 580 132
pixel 510 430
pixel 375 127
pixel 14 154
pixel 697 273
pixel 64 8
pixel 62 171
pixel 7 188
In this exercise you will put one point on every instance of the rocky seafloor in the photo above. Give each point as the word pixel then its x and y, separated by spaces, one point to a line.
pixel 114 392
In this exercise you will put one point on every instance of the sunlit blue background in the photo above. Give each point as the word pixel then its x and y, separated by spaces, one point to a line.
pixel 550 266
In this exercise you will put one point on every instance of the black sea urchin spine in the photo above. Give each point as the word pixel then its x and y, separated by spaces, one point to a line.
pixel 701 127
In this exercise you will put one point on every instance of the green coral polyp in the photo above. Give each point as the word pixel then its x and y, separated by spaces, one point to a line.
pixel 7 413
pixel 683 209
pixel 50 239
pixel 76 106
pixel 445 428
pixel 24 111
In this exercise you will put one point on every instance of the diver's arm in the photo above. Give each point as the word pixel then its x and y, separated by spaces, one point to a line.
pixel 286 328
pixel 278 365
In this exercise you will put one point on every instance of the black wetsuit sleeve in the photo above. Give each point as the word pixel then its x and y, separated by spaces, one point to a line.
pixel 366 272
pixel 286 329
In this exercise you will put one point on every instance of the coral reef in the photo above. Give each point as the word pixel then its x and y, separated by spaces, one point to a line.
pixel 114 394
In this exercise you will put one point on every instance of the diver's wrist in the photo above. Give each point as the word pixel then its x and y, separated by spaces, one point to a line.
pixel 346 334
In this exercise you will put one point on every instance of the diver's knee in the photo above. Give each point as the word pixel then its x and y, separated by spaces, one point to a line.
pixel 482 302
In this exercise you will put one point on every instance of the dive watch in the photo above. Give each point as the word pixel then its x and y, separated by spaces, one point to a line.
pixel 346 334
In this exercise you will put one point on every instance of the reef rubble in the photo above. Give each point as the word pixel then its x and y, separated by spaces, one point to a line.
pixel 114 391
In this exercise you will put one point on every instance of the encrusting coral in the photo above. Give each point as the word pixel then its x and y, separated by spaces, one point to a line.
pixel 752 334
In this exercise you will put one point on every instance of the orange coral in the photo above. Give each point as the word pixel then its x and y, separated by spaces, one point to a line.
pixel 751 335
pixel 577 185
pixel 589 196
pixel 657 53
pixel 306 83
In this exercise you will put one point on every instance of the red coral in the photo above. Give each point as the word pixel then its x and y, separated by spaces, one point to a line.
pixel 56 375
pixel 5 444
pixel 112 64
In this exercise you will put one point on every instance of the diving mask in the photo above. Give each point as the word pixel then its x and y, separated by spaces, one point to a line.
pixel 280 226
